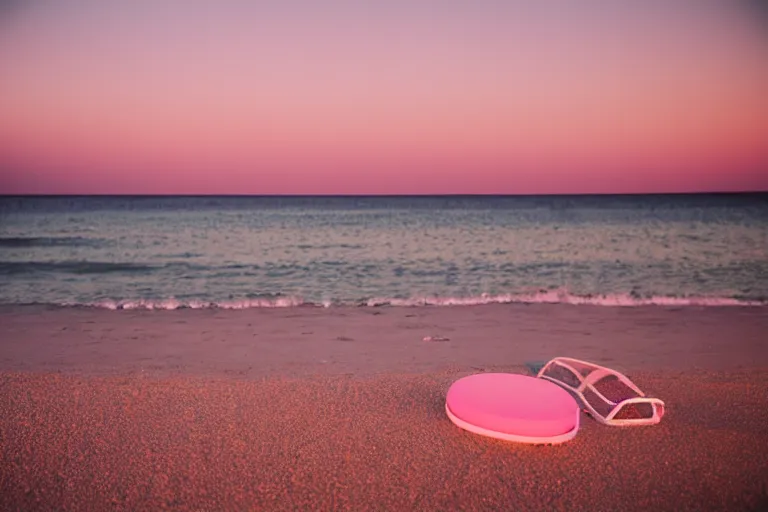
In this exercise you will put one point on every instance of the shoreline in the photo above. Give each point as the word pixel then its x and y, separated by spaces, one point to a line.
pixel 551 297
pixel 304 341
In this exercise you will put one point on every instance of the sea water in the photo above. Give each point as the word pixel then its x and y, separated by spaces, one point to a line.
pixel 235 252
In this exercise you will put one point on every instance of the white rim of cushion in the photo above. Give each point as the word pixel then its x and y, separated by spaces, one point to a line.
pixel 561 438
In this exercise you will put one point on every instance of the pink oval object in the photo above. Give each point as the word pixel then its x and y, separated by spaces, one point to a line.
pixel 513 407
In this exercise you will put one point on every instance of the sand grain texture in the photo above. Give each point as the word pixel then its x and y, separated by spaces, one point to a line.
pixel 217 410
pixel 344 443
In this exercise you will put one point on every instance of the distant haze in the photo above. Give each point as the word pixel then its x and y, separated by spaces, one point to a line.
pixel 395 97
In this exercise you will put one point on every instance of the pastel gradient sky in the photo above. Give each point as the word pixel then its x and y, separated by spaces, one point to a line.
pixel 400 97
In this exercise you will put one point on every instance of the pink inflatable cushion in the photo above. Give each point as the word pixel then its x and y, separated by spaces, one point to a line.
pixel 513 404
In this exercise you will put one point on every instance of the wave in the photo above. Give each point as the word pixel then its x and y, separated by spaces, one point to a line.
pixel 543 297
pixel 70 267
pixel 88 267
pixel 44 241
pixel 173 304
pixel 564 297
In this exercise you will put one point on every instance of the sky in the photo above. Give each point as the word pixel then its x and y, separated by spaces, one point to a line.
pixel 395 97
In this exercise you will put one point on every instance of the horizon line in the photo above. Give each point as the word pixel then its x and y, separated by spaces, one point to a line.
pixel 457 195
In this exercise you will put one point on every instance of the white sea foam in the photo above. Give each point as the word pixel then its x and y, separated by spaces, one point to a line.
pixel 564 297
pixel 173 304
pixel 559 296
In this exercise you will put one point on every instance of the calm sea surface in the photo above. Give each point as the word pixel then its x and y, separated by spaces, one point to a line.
pixel 263 251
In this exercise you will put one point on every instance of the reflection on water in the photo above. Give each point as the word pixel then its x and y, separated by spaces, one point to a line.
pixel 353 249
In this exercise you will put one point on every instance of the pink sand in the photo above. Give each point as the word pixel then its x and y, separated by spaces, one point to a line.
pixel 366 341
pixel 344 410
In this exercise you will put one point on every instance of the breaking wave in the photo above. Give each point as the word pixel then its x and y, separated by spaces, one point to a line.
pixel 87 267
pixel 44 241
pixel 543 297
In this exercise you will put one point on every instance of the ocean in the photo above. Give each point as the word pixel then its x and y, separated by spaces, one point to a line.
pixel 154 252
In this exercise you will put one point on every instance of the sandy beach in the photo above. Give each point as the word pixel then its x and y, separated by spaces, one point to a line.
pixel 342 409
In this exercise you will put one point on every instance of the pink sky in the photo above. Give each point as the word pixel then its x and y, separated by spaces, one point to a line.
pixel 408 97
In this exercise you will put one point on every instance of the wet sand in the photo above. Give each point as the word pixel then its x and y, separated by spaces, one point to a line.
pixel 342 409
